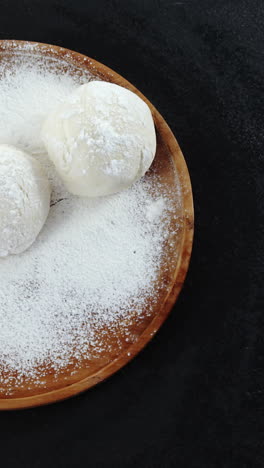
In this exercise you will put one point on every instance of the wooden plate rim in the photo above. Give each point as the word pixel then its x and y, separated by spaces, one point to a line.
pixel 184 255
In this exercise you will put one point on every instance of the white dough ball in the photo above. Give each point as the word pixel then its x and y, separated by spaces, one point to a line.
pixel 24 200
pixel 101 139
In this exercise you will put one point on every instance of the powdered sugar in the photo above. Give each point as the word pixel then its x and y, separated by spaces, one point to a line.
pixel 94 264
pixel 155 209
pixel 20 126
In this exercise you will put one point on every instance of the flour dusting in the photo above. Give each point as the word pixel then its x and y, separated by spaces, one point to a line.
pixel 95 262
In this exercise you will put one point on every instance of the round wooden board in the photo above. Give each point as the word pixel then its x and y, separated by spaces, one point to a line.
pixel 173 175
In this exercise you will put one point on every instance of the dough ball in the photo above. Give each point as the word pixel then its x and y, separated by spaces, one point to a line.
pixel 101 139
pixel 24 200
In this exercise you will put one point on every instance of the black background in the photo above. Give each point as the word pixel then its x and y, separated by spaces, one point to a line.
pixel 194 397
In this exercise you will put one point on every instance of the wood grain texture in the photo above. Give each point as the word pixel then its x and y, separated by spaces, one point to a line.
pixel 173 174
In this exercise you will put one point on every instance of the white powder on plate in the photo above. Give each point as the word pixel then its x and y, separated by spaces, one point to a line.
pixel 28 93
pixel 94 264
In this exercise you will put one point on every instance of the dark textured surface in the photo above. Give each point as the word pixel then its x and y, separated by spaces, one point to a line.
pixel 194 397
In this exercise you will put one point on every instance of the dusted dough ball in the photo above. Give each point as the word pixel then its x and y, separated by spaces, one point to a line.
pixel 24 200
pixel 101 139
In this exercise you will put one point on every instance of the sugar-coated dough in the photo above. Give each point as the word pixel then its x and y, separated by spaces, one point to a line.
pixel 101 139
pixel 24 200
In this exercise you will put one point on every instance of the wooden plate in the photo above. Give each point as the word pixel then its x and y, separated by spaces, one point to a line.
pixel 171 168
